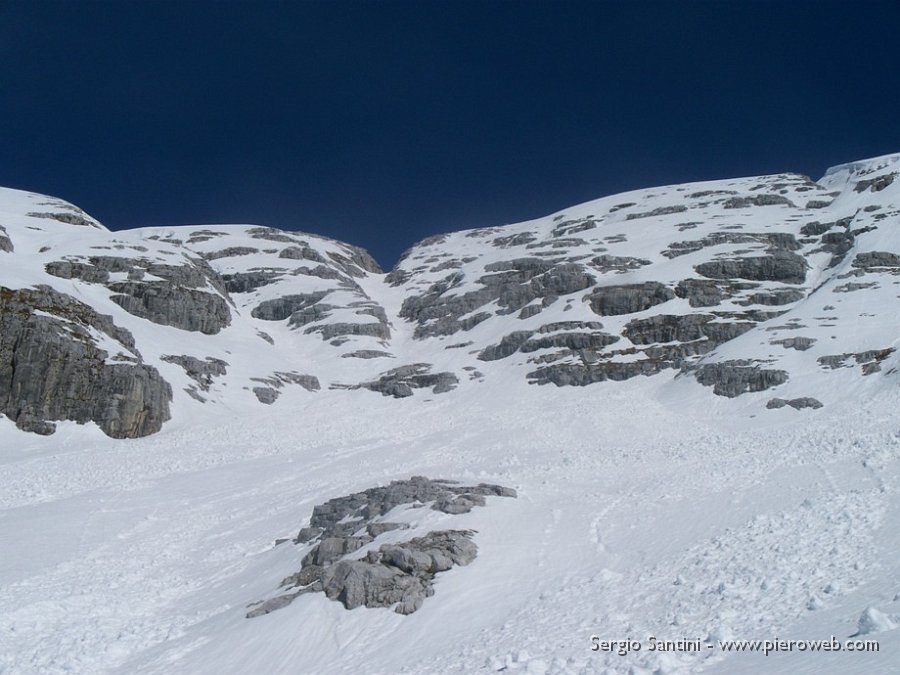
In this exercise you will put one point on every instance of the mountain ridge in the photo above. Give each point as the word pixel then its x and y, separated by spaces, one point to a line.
pixel 684 281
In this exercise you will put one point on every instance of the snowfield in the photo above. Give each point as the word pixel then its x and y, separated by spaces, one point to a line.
pixel 694 391
pixel 633 519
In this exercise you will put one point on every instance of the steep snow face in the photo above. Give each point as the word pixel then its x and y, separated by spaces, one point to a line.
pixel 776 290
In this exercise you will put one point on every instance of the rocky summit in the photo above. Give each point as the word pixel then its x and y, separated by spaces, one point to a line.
pixel 776 289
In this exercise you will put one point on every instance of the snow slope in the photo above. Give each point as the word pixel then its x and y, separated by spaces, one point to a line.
pixel 647 507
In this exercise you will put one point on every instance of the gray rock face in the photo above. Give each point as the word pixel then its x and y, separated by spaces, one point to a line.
pixel 246 282
pixel 508 345
pixel 65 269
pixel 269 393
pixel 783 266
pixel 168 305
pixel 795 403
pixel 400 382
pixel 570 227
pixel 6 244
pixel 511 283
pixel 271 234
pixel 72 216
pixel 757 200
pixel 782 296
pixel 852 286
pixel 338 517
pixel 361 258
pixel 266 395
pixel 709 292
pixel 398 575
pixel 678 328
pixel 547 338
pixel 302 253
pixel 375 329
pixel 231 252
pixel 176 300
pixel 282 308
pixel 569 341
pixel 661 211
pixel 514 240
pixel 838 244
pixel 618 264
pixel 51 368
pixel 874 260
pixel 733 378
pixel 201 372
pixel 799 343
pixel 673 340
pixel 774 241
pixel 580 375
pixel 367 354
pixel 616 300
pixel 875 184
pixel 869 360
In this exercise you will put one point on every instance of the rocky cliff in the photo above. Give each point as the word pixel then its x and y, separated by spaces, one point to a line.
pixel 775 289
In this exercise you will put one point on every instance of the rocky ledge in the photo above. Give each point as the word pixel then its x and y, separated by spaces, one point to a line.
pixel 343 564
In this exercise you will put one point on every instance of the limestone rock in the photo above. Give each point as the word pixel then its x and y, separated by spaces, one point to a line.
pixel 616 300
pixel 202 372
pixel 400 382
pixel 283 307
pixel 163 303
pixel 398 575
pixel 779 265
pixel 52 369
pixel 796 403
pixel 875 260
pixel 733 378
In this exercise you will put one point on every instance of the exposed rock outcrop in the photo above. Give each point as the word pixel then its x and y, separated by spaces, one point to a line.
pixel 283 307
pixel 71 216
pixel 397 575
pixel 565 335
pixel 512 284
pixel 179 298
pixel 51 368
pixel 400 382
pixel 869 360
pixel 203 372
pixel 6 244
pixel 615 300
pixel 877 260
pixel 733 378
pixel 169 305
pixel 683 328
pixel 795 403
pixel 269 393
pixel 783 266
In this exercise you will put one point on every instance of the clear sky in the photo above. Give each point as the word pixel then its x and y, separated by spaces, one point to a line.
pixel 380 123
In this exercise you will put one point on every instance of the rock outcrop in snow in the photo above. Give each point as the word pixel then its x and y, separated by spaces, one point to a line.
pixel 343 563
pixel 763 289
pixel 56 364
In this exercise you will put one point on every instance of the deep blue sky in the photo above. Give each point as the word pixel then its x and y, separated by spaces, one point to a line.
pixel 380 123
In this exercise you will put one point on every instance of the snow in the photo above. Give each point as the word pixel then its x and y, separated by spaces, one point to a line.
pixel 141 556
pixel 645 508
